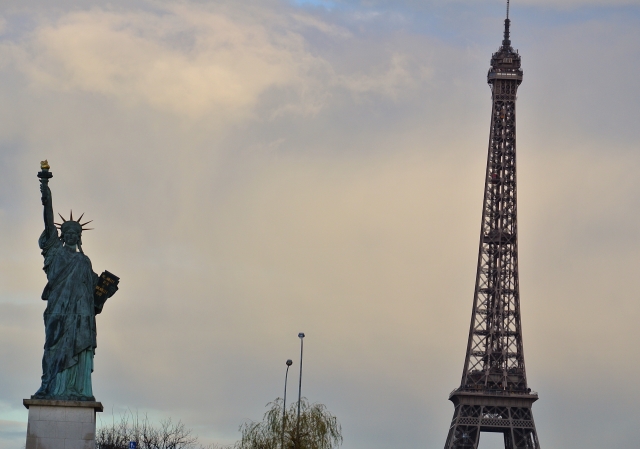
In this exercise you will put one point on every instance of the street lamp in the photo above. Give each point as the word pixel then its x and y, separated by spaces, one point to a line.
pixel 301 336
pixel 284 401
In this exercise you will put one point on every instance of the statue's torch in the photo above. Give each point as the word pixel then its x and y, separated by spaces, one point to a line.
pixel 44 174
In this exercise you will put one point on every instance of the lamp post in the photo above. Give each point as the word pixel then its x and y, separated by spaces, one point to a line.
pixel 301 336
pixel 284 401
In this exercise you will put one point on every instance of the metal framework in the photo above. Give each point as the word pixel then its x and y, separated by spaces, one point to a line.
pixel 493 395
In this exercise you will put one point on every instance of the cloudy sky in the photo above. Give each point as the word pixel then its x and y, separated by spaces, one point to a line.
pixel 255 169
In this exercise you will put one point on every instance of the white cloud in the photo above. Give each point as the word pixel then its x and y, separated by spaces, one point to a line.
pixel 224 65
pixel 194 61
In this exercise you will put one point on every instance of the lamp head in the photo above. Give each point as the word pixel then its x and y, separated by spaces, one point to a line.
pixel 289 362
pixel 301 335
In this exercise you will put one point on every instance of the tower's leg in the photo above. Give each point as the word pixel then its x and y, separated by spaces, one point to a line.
pixel 525 439
pixel 523 429
pixel 464 432
pixel 515 423
pixel 508 439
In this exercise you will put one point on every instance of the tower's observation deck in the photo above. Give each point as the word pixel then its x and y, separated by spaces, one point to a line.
pixel 505 63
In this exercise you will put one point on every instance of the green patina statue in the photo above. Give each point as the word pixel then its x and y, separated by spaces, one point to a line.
pixel 74 295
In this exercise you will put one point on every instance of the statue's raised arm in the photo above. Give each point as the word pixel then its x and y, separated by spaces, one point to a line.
pixel 45 175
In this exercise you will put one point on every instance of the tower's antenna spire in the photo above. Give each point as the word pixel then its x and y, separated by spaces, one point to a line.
pixel 506 42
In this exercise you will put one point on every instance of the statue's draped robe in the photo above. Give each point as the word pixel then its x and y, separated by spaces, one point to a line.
pixel 70 323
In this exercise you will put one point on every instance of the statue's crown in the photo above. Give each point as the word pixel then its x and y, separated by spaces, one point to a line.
pixel 71 222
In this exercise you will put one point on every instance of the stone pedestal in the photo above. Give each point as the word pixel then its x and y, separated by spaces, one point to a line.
pixel 61 424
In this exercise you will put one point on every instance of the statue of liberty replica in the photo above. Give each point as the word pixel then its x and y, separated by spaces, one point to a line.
pixel 74 295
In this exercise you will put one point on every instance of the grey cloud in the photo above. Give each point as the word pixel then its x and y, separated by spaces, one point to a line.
pixel 417 4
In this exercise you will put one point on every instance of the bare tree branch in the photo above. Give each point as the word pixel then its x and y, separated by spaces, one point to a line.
pixel 133 427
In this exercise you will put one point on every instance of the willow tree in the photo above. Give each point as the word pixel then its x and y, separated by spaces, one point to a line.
pixel 318 428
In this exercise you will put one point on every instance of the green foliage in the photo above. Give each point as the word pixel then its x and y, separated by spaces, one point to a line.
pixel 319 429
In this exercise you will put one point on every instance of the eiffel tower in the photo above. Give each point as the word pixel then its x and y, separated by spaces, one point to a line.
pixel 493 395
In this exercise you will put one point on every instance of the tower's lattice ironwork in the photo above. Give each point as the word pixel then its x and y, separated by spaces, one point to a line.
pixel 493 395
